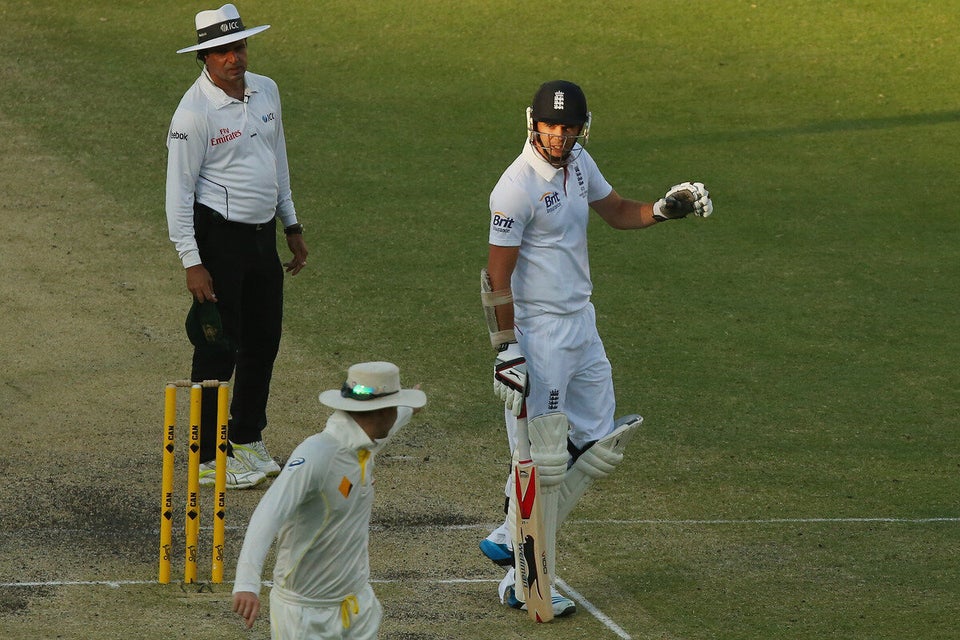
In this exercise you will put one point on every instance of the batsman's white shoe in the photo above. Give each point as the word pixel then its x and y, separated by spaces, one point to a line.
pixel 255 456
pixel 561 606
pixel 238 475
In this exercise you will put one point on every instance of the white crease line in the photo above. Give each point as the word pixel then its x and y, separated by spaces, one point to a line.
pixel 586 604
pixel 594 611
pixel 480 526
pixel 115 584
pixel 78 583
pixel 774 521
pixel 266 583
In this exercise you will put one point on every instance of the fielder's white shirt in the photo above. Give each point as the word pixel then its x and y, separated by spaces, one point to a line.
pixel 228 154
pixel 318 509
pixel 544 211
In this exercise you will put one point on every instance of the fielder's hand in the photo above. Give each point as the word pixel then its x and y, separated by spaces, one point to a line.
pixel 682 200
pixel 247 605
pixel 510 378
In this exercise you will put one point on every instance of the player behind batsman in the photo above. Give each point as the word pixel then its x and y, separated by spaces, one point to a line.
pixel 318 509
pixel 536 293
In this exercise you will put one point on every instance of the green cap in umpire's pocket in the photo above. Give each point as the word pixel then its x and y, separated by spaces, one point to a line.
pixel 204 327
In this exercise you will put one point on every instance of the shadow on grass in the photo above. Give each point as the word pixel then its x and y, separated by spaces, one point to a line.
pixel 816 128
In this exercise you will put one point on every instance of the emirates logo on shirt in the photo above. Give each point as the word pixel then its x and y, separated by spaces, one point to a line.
pixel 225 136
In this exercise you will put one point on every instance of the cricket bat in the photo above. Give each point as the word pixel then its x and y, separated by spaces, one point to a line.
pixel 532 567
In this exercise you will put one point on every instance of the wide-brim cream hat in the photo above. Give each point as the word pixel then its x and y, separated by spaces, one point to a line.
pixel 218 27
pixel 371 386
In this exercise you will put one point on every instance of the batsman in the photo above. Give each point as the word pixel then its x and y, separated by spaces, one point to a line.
pixel 551 366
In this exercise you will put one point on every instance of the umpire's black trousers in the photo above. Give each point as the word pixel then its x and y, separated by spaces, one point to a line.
pixel 248 280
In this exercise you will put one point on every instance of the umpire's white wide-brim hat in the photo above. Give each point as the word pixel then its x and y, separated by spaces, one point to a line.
pixel 371 386
pixel 218 27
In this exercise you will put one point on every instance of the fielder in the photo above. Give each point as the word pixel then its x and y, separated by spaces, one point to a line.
pixel 318 509
pixel 536 291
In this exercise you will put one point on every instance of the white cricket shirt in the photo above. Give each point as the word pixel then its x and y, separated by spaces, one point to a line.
pixel 544 211
pixel 318 509
pixel 228 154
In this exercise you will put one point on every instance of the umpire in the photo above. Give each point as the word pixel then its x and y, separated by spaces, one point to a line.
pixel 227 185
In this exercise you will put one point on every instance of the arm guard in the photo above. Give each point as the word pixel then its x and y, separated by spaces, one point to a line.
pixel 491 300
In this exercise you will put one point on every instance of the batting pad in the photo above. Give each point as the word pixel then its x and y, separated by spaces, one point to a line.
pixel 548 449
pixel 595 463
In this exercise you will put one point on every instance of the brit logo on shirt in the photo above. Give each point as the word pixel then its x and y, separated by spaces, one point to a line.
pixel 551 200
pixel 502 223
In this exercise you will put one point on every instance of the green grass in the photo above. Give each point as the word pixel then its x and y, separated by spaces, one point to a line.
pixel 795 356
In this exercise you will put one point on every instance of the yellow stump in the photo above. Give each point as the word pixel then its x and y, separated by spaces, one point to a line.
pixel 220 484
pixel 166 497
pixel 192 528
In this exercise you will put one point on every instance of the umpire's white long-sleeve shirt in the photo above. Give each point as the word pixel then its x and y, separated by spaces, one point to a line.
pixel 318 509
pixel 228 154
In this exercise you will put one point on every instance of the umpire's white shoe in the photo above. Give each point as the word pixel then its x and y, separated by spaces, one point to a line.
pixel 255 456
pixel 238 475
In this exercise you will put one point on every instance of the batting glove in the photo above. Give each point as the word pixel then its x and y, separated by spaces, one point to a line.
pixel 510 378
pixel 682 200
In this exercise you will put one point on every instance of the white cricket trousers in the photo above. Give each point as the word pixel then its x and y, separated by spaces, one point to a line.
pixel 569 372
pixel 357 617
